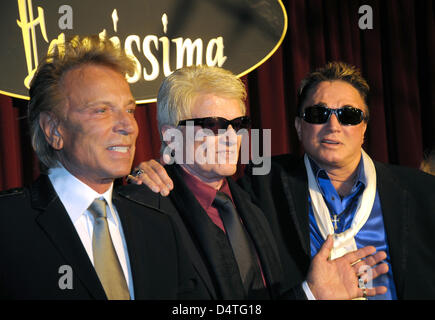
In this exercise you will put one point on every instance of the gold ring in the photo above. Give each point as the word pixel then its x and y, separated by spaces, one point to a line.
pixel 361 283
pixel 355 262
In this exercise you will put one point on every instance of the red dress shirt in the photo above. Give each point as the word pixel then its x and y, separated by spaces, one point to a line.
pixel 205 195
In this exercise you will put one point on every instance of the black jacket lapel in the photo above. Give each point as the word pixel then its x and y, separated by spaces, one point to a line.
pixel 190 246
pixel 54 220
pixel 395 204
pixel 207 234
pixel 262 236
pixel 149 199
pixel 142 276
pixel 295 188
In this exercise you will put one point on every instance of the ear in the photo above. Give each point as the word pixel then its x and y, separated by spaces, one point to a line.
pixel 364 127
pixel 298 127
pixel 364 130
pixel 50 125
pixel 164 128
pixel 171 136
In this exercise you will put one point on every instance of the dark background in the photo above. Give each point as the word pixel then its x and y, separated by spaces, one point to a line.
pixel 396 57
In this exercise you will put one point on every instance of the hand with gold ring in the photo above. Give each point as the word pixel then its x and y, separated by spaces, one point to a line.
pixel 368 269
pixel 152 174
pixel 134 174
pixel 364 290
pixel 338 278
pixel 362 286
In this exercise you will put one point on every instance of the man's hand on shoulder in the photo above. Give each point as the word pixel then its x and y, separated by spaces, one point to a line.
pixel 152 174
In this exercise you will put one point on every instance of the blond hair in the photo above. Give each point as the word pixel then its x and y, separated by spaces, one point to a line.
pixel 178 91
pixel 428 163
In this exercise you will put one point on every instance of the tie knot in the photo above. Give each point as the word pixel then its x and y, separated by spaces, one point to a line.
pixel 221 199
pixel 98 208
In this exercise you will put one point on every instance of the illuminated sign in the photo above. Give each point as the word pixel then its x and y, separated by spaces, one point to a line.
pixel 162 36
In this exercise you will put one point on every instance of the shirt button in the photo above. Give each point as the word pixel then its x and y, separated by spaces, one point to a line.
pixel 332 198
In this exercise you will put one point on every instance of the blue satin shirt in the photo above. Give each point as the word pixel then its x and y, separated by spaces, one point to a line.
pixel 342 211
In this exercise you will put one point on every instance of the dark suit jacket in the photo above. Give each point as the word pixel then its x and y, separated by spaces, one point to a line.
pixel 181 202
pixel 37 237
pixel 408 206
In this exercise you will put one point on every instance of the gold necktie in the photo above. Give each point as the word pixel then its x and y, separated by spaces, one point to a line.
pixel 106 261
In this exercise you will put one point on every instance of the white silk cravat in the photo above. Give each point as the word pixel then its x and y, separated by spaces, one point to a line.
pixel 343 242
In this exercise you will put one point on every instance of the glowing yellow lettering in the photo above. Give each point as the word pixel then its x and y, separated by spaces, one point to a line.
pixel 150 57
pixel 188 51
pixel 27 23
pixel 219 59
pixel 129 51
pixel 188 46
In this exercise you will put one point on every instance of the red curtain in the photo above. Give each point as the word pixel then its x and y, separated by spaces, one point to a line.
pixel 396 57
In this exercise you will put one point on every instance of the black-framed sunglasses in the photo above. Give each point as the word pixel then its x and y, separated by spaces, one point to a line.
pixel 347 115
pixel 216 123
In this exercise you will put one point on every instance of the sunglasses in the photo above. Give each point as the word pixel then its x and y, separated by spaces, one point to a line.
pixel 347 115
pixel 216 123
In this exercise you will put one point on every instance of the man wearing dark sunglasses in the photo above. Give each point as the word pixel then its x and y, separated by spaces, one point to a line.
pixel 234 248
pixel 337 189
pixel 217 123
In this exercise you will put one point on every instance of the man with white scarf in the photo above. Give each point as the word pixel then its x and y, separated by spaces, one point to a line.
pixel 331 123
pixel 338 189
